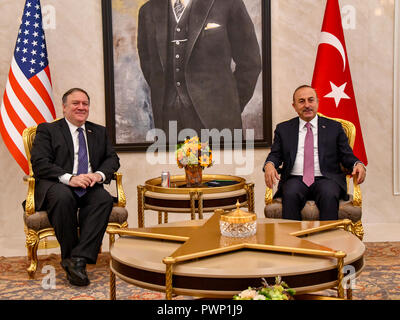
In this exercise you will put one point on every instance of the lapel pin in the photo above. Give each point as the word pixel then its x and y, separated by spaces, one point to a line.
pixel 90 131
pixel 323 127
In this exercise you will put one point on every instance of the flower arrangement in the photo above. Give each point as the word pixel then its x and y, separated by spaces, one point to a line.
pixel 193 153
pixel 279 291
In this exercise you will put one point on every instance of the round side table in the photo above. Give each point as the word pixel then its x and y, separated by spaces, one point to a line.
pixel 216 192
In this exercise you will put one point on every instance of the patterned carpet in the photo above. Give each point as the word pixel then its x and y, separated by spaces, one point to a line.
pixel 380 279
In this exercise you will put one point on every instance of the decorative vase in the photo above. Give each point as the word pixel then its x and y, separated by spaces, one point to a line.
pixel 193 174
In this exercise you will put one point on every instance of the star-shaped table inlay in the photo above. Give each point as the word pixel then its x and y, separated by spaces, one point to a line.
pixel 206 240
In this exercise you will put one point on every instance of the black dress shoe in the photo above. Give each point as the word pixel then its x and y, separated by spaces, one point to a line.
pixel 75 268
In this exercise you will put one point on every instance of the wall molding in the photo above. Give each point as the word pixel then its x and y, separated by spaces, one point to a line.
pixel 396 102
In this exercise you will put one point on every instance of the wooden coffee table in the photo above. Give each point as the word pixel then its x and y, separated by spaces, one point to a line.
pixel 309 256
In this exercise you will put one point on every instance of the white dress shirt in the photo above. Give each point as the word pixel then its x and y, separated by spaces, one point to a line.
pixel 297 169
pixel 75 140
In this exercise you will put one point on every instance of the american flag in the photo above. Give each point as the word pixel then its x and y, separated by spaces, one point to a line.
pixel 27 99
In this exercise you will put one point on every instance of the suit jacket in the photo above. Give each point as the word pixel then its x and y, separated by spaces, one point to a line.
pixel 53 154
pixel 333 150
pixel 218 95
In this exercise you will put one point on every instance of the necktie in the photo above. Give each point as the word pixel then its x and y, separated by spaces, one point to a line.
pixel 178 8
pixel 82 160
pixel 308 165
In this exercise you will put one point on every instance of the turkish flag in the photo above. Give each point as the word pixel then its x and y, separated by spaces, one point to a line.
pixel 332 78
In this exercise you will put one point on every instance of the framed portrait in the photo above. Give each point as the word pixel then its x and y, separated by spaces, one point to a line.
pixel 132 112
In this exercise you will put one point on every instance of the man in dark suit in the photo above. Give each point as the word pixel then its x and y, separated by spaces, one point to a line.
pixel 186 48
pixel 71 159
pixel 311 150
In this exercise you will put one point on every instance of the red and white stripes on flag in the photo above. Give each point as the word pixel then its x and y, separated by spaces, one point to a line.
pixel 27 99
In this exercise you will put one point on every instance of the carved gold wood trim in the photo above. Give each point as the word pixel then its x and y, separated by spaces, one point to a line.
pixel 357 229
pixel 30 197
pixel 268 196
pixel 357 198
pixel 28 135
pixel 120 191
pixel 249 187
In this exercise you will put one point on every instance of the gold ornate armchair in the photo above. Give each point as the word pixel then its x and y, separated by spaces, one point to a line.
pixel 36 223
pixel 350 209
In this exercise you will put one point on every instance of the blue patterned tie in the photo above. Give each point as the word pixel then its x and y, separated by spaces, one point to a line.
pixel 178 8
pixel 82 160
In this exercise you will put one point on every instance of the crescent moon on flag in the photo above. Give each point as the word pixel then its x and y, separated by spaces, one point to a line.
pixel 329 38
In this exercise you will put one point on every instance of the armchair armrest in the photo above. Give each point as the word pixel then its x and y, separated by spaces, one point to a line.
pixel 357 198
pixel 121 198
pixel 269 195
pixel 30 197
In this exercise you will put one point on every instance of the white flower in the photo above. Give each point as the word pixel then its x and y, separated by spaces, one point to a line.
pixel 248 294
pixel 259 297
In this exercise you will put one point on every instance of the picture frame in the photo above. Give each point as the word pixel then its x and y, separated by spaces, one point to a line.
pixel 127 95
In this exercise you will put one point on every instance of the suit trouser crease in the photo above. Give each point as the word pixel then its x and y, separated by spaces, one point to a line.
pixel 94 210
pixel 325 192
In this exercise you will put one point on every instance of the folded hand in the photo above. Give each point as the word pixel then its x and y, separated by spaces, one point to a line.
pixel 85 180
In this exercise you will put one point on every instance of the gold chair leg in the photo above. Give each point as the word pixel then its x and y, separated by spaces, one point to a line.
pixel 32 243
pixel 113 293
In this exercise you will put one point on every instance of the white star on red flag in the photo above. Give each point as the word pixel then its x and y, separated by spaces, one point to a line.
pixel 337 93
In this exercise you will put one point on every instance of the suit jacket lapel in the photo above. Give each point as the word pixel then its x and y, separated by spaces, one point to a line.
pixel 198 16
pixel 321 137
pixel 68 139
pixel 160 18
pixel 294 134
pixel 91 139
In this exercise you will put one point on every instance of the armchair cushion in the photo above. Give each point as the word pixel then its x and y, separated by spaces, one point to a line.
pixel 39 220
pixel 118 215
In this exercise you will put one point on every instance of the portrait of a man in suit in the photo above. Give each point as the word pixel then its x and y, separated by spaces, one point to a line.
pixel 201 60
